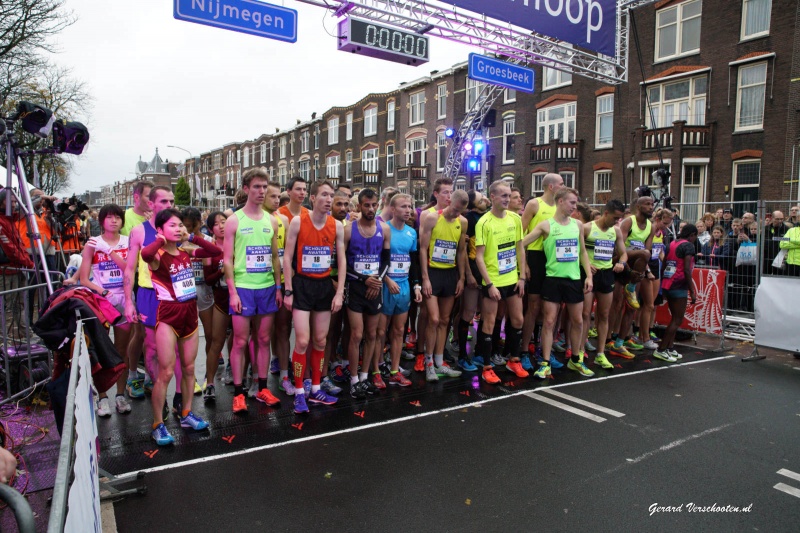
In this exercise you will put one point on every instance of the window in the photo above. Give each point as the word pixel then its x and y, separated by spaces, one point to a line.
pixel 680 100
pixel 746 179
pixel 509 96
pixel 282 148
pixel 348 166
pixel 333 131
pixel 369 160
pixel 536 182
pixel 605 121
pixel 316 167
pixel 390 160
pixel 569 179
pixel 415 152
pixel 282 174
pixel 271 150
pixel 271 172
pixel 509 124
pixel 692 193
pixel 304 169
pixel 316 137
pixel 332 166
pixel 390 116
pixel 246 161
pixel 229 159
pixel 441 150
pixel 371 121
pixel 678 30
pixel 474 89
pixel 555 78
pixel 217 161
pixel 750 93
pixel 557 122
pixel 461 184
pixel 647 170
pixel 755 18
pixel 602 182
pixel 417 104
pixel 291 167
pixel 348 135
pixel 441 100
pixel 304 138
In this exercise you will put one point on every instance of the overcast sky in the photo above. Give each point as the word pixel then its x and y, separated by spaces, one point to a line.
pixel 158 81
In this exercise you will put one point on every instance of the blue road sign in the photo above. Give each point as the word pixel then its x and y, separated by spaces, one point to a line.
pixel 245 16
pixel 497 72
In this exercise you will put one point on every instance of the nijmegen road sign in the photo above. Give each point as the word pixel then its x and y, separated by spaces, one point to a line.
pixel 245 16
pixel 497 72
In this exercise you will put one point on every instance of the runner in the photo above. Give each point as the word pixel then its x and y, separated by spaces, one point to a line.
pixel 650 285
pixel 140 211
pixel 336 331
pixel 250 269
pixel 496 236
pixel 443 264
pixel 221 320
pixel 566 253
pixel 404 266
pixel 297 195
pixel 677 284
pixel 173 280
pixel 310 293
pixel 472 290
pixel 105 257
pixel 603 240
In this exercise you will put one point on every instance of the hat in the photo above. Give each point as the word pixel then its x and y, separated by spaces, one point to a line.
pixel 727 210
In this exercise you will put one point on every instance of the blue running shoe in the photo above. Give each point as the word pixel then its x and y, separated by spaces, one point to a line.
pixel 559 346
pixel 321 397
pixel 307 387
pixel 328 386
pixel 467 366
pixel 555 364
pixel 134 388
pixel 194 422
pixel 148 386
pixel 274 366
pixel 300 404
pixel 161 436
pixel 478 360
pixel 526 362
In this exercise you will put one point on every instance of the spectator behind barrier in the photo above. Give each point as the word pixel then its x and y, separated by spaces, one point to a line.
pixel 794 216
pixel 792 247
pixel 715 251
pixel 772 240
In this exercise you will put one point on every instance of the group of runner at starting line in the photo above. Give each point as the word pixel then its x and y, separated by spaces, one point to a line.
pixel 366 282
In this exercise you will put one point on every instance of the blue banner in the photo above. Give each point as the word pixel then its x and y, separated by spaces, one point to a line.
pixel 497 72
pixel 245 16
pixel 590 24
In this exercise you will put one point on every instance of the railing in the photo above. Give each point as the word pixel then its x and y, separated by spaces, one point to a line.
pixel 696 135
pixel 554 151
pixel 660 137
pixel 665 138
pixel 412 173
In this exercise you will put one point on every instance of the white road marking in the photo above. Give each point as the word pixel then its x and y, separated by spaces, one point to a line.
pixel 676 443
pixel 573 399
pixel 783 487
pixel 789 474
pixel 565 407
pixel 405 418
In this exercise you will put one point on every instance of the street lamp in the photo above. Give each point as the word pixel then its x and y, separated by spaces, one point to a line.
pixel 192 181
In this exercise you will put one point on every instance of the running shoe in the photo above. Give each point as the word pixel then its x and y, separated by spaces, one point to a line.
pixel 499 360
pixel 252 392
pixel 478 360
pixel 555 364
pixel 559 346
pixel 340 374
pixel 516 368
pixel 525 360
pixel 631 344
pixel 543 372
pixel 377 380
pixel 654 337
pixel 227 375
pixel 322 397
pixel 198 390
pixel 592 333
pixel 650 345
pixel 300 404
pixel 589 347
pixel 104 407
pixel 221 361
pixel 148 386
pixel 328 386
pixel 489 376
pixel 369 387
pixel 630 296
pixel 467 366
pixel 405 371
pixel 430 373
pixel 621 352
pixel 357 391
pixel 674 354
pixel 407 355
pixel 568 353
pixel 287 387
pixel 419 365
pixel 123 406
pixel 385 369
pixel 265 396
pixel 274 366
pixel 531 347
pixel 600 359
pixel 177 404
pixel 239 404
pixel 194 422
pixel 307 387
pixel 135 389
pixel 161 435
pixel 580 368
pixel 447 371
pixel 664 356
pixel 400 380
pixel 210 394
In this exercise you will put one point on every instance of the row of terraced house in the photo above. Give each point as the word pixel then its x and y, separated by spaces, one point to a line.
pixel 722 78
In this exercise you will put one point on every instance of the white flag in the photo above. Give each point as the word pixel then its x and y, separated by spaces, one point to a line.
pixel 197 186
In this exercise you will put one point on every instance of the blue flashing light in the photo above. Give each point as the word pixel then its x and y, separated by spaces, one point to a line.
pixel 449 132
pixel 477 147
pixel 473 164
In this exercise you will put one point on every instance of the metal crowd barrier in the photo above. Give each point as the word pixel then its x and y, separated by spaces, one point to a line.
pixel 19 505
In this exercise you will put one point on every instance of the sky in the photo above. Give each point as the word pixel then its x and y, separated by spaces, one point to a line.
pixel 158 81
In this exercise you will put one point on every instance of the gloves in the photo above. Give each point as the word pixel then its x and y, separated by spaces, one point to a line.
pixel 99 245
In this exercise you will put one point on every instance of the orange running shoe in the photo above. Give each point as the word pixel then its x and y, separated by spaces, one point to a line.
pixel 490 377
pixel 377 380
pixel 265 396
pixel 419 365
pixel 516 367
pixel 239 404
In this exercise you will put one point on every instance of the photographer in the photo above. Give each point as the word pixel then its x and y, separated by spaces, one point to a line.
pixel 68 215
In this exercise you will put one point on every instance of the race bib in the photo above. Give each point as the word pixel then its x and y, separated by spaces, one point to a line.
pixel 259 259
pixel 110 275
pixel 657 249
pixel 566 250
pixel 444 252
pixel 183 285
pixel 603 250
pixel 399 266
pixel 506 261
pixel 315 259
pixel 670 269
pixel 366 265
pixel 637 245
pixel 199 276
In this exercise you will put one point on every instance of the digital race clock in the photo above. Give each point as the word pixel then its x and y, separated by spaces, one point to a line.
pixel 384 42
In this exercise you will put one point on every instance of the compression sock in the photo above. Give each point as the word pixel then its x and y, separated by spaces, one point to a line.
pixel 537 334
pixel 262 383
pixel 317 359
pixel 238 389
pixel 513 341
pixel 463 333
pixel 299 367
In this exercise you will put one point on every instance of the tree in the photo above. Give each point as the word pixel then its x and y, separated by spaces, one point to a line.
pixel 182 192
pixel 26 27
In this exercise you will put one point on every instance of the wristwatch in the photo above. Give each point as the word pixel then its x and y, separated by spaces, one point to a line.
pixel 105 292
pixel 288 292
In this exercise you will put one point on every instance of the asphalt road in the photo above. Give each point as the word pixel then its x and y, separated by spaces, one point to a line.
pixel 695 438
